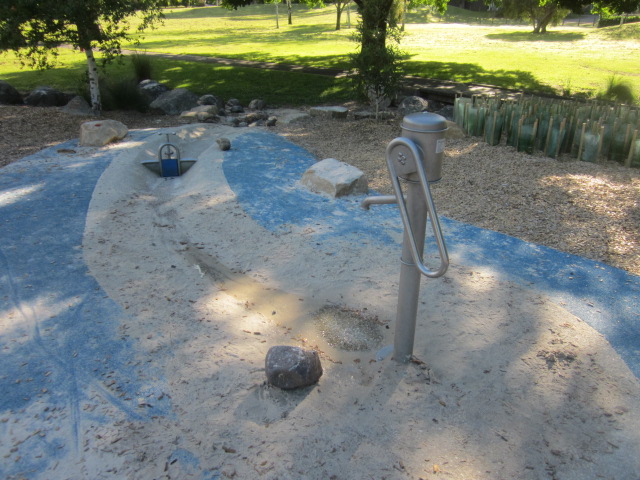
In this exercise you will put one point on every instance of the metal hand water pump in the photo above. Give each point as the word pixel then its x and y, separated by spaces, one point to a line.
pixel 415 159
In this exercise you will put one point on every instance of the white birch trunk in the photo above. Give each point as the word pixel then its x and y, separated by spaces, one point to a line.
pixel 94 87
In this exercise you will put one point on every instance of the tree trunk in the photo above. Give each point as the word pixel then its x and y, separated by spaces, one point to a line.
pixel 290 18
pixel 339 8
pixel 540 24
pixel 94 86
pixel 375 22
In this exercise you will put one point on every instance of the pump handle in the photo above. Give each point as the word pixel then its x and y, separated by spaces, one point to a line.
pixel 435 222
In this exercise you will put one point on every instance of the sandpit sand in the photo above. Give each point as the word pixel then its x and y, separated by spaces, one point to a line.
pixel 505 383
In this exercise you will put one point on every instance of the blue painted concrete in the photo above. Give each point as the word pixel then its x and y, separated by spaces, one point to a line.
pixel 63 346
pixel 263 170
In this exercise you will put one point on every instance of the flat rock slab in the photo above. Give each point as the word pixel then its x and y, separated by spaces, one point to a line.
pixel 329 112
pixel 290 367
pixel 101 132
pixel 335 178
pixel 289 115
pixel 381 115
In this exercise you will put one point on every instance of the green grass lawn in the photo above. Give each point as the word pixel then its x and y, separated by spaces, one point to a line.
pixel 459 46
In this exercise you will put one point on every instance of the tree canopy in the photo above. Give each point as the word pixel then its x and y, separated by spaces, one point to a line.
pixel 539 12
pixel 35 29
pixel 543 12
pixel 616 6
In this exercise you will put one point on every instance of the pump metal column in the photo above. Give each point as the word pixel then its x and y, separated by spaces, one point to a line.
pixel 410 276
pixel 415 159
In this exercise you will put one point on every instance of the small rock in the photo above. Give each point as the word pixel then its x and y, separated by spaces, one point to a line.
pixel 209 99
pixel 257 104
pixel 233 106
pixel 202 113
pixel 253 117
pixel 413 104
pixel 271 121
pixel 224 143
pixel 152 89
pixel 290 367
pixel 230 121
pixel 207 117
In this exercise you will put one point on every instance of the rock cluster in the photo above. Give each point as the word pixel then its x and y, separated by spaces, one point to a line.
pixel 160 100
pixel 38 97
pixel 211 109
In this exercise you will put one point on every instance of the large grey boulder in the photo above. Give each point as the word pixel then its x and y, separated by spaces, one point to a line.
pixel 46 97
pixel 292 367
pixel 413 104
pixel 335 178
pixel 174 102
pixel 9 95
pixel 329 112
pixel 101 132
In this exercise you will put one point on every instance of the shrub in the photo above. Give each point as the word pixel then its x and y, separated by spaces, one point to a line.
pixel 618 90
pixel 141 66
pixel 122 94
pixel 377 66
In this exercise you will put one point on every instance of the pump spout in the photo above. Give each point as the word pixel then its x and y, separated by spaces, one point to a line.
pixel 381 200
